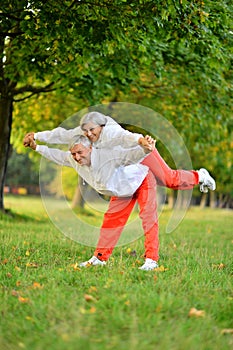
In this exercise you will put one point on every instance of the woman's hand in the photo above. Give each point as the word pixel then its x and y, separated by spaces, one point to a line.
pixel 147 143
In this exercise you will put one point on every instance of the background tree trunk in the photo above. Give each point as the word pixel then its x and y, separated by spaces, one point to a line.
pixel 212 199
pixel 78 200
pixel 171 199
pixel 203 200
pixel 6 107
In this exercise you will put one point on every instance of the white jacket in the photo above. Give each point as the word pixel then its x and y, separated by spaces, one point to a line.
pixel 113 172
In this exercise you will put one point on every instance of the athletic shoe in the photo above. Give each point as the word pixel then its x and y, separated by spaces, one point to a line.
pixel 93 261
pixel 149 265
pixel 206 181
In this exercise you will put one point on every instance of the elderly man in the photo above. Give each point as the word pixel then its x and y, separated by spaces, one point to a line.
pixel 111 172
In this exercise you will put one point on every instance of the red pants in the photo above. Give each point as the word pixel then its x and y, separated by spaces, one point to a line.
pixel 118 213
pixel 165 176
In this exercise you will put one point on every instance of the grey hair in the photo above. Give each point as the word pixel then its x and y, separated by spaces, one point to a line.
pixel 80 139
pixel 94 117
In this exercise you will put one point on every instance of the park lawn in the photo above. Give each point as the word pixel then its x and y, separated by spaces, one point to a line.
pixel 48 302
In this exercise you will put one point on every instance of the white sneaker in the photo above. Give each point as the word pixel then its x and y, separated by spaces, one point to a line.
pixel 149 265
pixel 93 261
pixel 206 181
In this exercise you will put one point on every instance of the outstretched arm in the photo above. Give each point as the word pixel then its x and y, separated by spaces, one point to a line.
pixel 58 135
pixel 55 155
pixel 114 135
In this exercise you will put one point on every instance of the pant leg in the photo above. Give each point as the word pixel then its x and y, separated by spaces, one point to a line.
pixel 165 176
pixel 114 221
pixel 146 196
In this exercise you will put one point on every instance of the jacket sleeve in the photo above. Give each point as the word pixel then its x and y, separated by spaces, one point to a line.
pixel 55 155
pixel 58 135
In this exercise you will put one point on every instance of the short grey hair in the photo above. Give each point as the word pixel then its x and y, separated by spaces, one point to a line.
pixel 80 139
pixel 94 117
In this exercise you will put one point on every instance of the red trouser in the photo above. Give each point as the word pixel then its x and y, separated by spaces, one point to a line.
pixel 165 176
pixel 118 213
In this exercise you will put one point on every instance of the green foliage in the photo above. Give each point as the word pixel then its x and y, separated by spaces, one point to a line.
pixel 94 47
pixel 21 171
pixel 69 179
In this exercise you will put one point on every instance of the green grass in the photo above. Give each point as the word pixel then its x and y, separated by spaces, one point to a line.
pixel 43 304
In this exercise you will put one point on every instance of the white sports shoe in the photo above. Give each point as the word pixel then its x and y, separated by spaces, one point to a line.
pixel 149 265
pixel 206 181
pixel 92 261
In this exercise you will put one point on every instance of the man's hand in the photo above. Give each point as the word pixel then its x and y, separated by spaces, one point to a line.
pixel 32 144
pixel 28 138
pixel 147 143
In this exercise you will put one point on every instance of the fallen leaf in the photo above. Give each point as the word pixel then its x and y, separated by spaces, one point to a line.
pixel 92 310
pixel 14 293
pixel 29 318
pixel 158 308
pixel 196 313
pixel 131 252
pixel 219 266
pixel 161 269
pixel 89 297
pixel 155 278
pixel 9 275
pixel 37 285
pixel 4 262
pixel 27 253
pixel 23 300
pixel 18 283
pixel 75 267
pixel 32 264
pixel 92 289
pixel 227 331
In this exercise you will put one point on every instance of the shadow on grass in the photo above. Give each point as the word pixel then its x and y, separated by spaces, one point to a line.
pixel 9 215
pixel 84 212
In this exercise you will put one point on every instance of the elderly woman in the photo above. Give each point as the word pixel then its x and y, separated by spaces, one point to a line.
pixel 105 132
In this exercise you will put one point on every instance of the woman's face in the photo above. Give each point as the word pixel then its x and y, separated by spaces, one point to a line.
pixel 92 131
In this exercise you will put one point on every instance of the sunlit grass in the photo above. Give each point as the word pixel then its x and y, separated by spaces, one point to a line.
pixel 48 302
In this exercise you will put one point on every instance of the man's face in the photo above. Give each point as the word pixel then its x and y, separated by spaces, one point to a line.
pixel 81 154
pixel 92 131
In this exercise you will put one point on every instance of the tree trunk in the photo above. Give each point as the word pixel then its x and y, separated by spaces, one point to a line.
pixel 6 107
pixel 203 200
pixel 171 199
pixel 212 200
pixel 77 200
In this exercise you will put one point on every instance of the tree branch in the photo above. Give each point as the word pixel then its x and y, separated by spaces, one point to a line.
pixel 11 35
pixel 34 90
pixel 9 15
pixel 31 88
